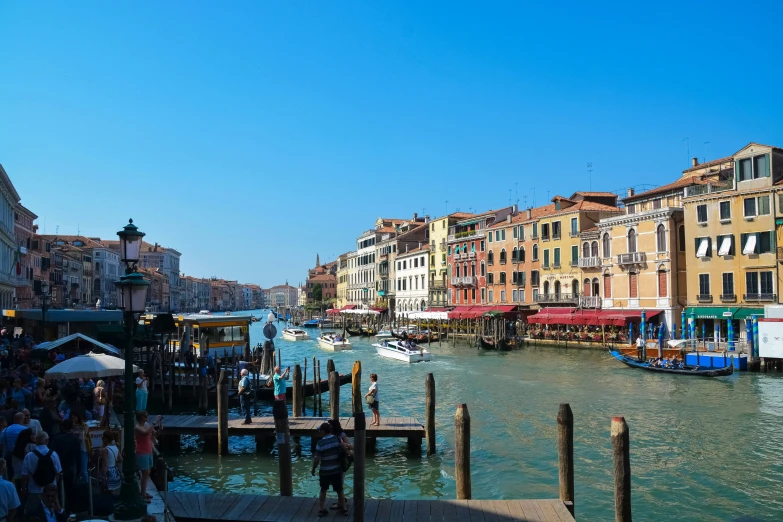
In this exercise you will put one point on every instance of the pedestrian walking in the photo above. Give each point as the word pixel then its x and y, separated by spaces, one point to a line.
pixel 9 498
pixel 373 399
pixel 244 395
pixel 40 469
pixel 329 455
pixel 141 391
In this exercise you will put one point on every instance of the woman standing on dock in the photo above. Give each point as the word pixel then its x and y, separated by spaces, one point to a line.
pixel 141 391
pixel 145 439
pixel 376 415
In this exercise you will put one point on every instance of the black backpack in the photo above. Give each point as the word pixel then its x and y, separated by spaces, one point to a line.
pixel 44 473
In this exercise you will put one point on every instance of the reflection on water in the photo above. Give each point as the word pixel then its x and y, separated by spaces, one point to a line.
pixel 701 449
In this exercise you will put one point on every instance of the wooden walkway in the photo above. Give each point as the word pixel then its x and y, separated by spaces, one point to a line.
pixel 232 507
pixel 405 427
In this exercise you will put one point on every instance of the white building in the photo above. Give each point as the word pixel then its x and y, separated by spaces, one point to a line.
pixel 365 292
pixel 167 260
pixel 105 271
pixel 9 198
pixel 352 292
pixel 411 279
pixel 282 295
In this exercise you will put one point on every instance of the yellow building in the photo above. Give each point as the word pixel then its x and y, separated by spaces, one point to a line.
pixel 641 265
pixel 438 265
pixel 730 237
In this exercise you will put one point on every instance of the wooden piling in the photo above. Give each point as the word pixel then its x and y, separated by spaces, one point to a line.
pixel 315 381
pixel 622 469
pixel 320 392
pixel 462 452
pixel 171 381
pixel 334 395
pixel 304 385
pixel 222 413
pixel 565 453
pixel 359 446
pixel 280 413
pixel 429 422
pixel 297 392
pixel 356 387
pixel 329 367
pixel 202 399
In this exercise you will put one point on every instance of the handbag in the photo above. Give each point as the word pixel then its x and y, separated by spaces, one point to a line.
pixel 370 399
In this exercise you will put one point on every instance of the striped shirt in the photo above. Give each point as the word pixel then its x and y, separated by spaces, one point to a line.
pixel 330 452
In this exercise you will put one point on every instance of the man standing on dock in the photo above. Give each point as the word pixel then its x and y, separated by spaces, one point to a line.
pixel 244 395
pixel 279 382
pixel 329 454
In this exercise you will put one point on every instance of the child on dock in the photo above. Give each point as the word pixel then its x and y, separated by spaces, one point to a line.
pixel 329 455
pixel 373 403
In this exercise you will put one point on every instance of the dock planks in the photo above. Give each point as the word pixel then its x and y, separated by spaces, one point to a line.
pixel 231 507
pixel 406 427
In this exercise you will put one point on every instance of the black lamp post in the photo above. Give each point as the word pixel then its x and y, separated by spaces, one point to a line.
pixel 132 297
pixel 44 307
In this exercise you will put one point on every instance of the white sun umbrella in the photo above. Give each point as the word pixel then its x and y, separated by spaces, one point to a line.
pixel 89 366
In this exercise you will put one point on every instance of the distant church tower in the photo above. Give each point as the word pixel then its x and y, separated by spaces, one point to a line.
pixel 317 260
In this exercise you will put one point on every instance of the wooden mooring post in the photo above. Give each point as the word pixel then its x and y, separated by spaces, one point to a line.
pixel 334 395
pixel 359 451
pixel 320 390
pixel 356 387
pixel 222 412
pixel 329 367
pixel 565 454
pixel 462 452
pixel 429 421
pixel 297 392
pixel 622 469
pixel 280 413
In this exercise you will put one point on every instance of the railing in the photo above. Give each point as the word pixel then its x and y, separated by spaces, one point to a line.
pixel 760 297
pixel 459 236
pixel 437 284
pixel 557 298
pixel 780 253
pixel 633 258
pixel 710 188
pixel 469 280
pixel 704 298
pixel 590 302
pixel 471 255
pixel 731 298
pixel 502 260
pixel 555 236
pixel 590 262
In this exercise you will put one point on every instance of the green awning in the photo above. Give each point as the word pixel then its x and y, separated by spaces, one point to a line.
pixel 745 313
pixel 710 312
pixel 779 221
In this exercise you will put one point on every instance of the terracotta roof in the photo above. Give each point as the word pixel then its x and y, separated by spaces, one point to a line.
pixel 386 229
pixel 591 229
pixel 752 143
pixel 423 248
pixel 521 217
pixel 710 163
pixel 587 206
pixel 322 277
pixel 680 183
pixel 593 194
pixel 561 198
pixel 88 243
pixel 460 215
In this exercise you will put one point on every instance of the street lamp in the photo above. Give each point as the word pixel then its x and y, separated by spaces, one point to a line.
pixel 132 297
pixel 44 307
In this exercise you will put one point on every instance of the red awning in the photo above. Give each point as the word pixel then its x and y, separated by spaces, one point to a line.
pixel 584 317
pixel 623 317
pixel 551 316
pixel 378 308
pixel 460 312
pixel 332 311
pixel 348 307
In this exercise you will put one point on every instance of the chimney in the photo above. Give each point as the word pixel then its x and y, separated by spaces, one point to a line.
pixel 415 216
pixel 514 209
pixel 530 213
pixel 694 162
pixel 508 218
pixel 630 192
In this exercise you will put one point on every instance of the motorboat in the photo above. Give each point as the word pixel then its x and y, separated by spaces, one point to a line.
pixel 333 341
pixel 384 334
pixel 312 323
pixel 295 334
pixel 403 332
pixel 398 350
pixel 204 312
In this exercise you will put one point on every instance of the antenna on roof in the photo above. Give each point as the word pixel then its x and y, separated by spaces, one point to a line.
pixel 516 192
pixel 447 207
pixel 509 197
pixel 706 149
pixel 590 175
pixel 687 140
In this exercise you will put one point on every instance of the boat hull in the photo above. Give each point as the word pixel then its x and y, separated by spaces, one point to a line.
pixel 334 347
pixel 694 371
pixel 408 358
pixel 295 337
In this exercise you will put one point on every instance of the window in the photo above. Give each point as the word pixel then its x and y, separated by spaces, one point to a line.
pixel 490 258
pixel 502 296
pixel 514 255
pixel 535 252
pixel 725 245
pixel 701 213
pixel 745 169
pixel 660 235
pixel 607 245
pixel 574 227
pixel 535 295
pixel 497 235
pixel 556 230
pixel 545 232
pixel 490 278
pixel 607 286
pixel 490 296
pixel 663 287
pixel 758 243
pixel 483 294
pixel 574 255
pixel 483 270
pixel 482 245
pixel 556 256
pixel 756 206
pixel 534 279
pixel 522 296
pixel 633 285
pixel 631 209
pixel 521 255
pixel 535 231
pixel 489 236
pixel 415 262
pixel 502 278
pixel 753 168
pixel 656 203
pixel 725 210
pixel 503 256
pixel 473 294
pixel 631 241
pixel 546 258
pixel 521 232
pixel 514 295
pixel 728 285
pixel 704 284
pixel 765 283
pixel 514 233
pixel 503 235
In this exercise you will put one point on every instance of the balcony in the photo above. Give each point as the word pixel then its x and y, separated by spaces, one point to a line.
pixel 780 253
pixel 571 299
pixel 471 255
pixel 463 281
pixel 459 236
pixel 704 298
pixel 590 262
pixel 590 302
pixel 437 284
pixel 710 188
pixel 633 258
pixel 759 298
pixel 728 298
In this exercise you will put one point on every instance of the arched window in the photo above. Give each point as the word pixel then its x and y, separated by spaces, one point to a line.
pixel 586 288
pixel 557 288
pixel 594 249
pixel 514 258
pixel 663 286
pixel 631 241
pixel 574 288
pixel 660 236
pixel 473 269
pixel 546 287
pixel 483 269
pixel 607 246
pixel 585 249
pixel 521 254
pixel 503 256
pixel 607 285
pixel 457 270
pixel 491 258
pixel 596 288
pixel 423 305
pixel 535 252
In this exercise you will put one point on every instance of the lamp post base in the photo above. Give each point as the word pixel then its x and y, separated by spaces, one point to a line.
pixel 130 505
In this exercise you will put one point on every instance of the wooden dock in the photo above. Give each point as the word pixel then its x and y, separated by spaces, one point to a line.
pixel 232 507
pixel 404 427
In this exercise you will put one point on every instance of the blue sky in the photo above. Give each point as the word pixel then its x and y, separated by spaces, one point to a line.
pixel 253 135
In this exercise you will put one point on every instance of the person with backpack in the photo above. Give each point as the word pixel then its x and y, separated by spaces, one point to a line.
pixel 41 468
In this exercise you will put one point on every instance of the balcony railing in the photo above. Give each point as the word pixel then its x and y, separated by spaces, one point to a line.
pixel 710 188
pixel 437 284
pixel 459 236
pixel 590 262
pixel 704 298
pixel 756 298
pixel 633 258
pixel 463 281
pixel 590 302
pixel 557 298
pixel 728 298
pixel 471 255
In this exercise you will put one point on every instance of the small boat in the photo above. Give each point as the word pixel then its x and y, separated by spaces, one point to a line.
pixel 425 336
pixel 368 331
pixel 384 334
pixel 334 342
pixel 683 370
pixel 397 350
pixel 488 343
pixel 355 332
pixel 403 332
pixel 295 334
pixel 204 312
pixel 312 323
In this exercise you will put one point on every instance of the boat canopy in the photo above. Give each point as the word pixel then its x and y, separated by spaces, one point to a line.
pixel 51 345
pixel 424 315
pixel 361 312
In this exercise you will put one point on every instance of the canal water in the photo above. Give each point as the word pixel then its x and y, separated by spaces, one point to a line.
pixel 701 449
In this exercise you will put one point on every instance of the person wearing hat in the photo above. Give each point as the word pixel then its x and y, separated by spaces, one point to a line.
pixel 329 455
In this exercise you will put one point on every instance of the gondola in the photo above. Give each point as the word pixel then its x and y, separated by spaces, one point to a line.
pixel 352 332
pixel 488 343
pixel 685 370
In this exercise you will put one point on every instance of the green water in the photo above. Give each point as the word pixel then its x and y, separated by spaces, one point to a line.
pixel 701 449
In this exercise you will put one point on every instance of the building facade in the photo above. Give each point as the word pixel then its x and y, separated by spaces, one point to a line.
pixel 437 285
pixel 412 277
pixel 9 252
pixel 24 229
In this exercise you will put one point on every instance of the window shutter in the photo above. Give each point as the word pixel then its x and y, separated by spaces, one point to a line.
pixel 632 283
pixel 607 286
pixel 662 286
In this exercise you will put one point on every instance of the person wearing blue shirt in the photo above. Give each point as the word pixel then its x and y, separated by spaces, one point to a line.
pixel 19 393
pixel 10 434
pixel 279 382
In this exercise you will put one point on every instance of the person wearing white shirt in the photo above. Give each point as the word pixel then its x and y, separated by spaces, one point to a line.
pixel 30 466
pixel 141 391
pixel 31 423
pixel 9 499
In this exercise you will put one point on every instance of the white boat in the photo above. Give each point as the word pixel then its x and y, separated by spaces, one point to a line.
pixel 384 334
pixel 397 350
pixel 295 334
pixel 204 312
pixel 334 342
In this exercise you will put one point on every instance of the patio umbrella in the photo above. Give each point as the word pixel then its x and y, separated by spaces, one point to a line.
pixel 717 332
pixel 730 334
pixel 692 325
pixel 755 322
pixel 89 366
pixel 642 331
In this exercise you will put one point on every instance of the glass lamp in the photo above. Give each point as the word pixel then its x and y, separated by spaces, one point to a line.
pixel 132 292
pixel 130 243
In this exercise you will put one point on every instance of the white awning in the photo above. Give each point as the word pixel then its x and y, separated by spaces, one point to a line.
pixel 704 244
pixel 725 246
pixel 750 245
